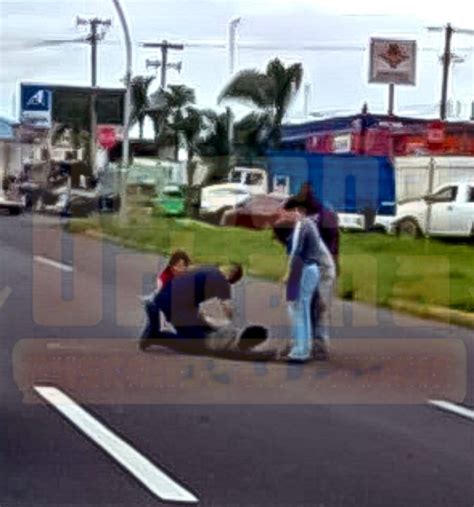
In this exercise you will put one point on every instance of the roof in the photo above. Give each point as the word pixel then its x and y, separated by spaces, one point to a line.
pixel 72 87
pixel 226 186
pixel 172 188
pixel 12 122
pixel 302 131
pixel 6 128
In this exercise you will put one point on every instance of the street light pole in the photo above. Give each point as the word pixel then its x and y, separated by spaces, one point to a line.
pixel 128 84
pixel 233 43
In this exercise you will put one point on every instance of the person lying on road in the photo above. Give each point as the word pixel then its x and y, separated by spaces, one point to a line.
pixel 198 307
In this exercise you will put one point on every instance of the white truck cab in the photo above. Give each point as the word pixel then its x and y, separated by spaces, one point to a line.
pixel 447 211
pixel 254 179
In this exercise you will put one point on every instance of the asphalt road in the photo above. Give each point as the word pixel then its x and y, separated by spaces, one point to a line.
pixel 87 420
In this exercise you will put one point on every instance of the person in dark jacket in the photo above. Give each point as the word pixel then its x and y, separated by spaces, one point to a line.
pixel 180 300
pixel 288 234
pixel 310 266
pixel 325 218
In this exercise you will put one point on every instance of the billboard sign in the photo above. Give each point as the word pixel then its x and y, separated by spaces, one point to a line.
pixel 36 106
pixel 43 105
pixel 392 61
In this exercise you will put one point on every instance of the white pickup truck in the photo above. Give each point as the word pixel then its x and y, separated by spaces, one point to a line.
pixel 448 211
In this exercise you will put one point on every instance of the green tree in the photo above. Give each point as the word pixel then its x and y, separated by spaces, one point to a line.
pixel 251 136
pixel 140 101
pixel 272 92
pixel 191 126
pixel 168 111
pixel 215 147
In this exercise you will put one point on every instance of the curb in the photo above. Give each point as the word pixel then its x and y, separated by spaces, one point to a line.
pixel 438 313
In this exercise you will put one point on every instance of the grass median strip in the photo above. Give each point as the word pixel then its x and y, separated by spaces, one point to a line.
pixel 375 268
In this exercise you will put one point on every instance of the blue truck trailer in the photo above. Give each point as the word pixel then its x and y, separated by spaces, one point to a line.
pixel 361 189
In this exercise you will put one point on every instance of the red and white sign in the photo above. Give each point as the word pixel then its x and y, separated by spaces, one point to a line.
pixel 392 61
pixel 108 136
pixel 342 143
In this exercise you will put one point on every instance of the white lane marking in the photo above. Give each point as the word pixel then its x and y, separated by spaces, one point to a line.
pixel 54 264
pixel 452 407
pixel 5 293
pixel 143 469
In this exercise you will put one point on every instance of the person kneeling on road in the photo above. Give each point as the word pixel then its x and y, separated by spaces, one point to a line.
pixel 198 309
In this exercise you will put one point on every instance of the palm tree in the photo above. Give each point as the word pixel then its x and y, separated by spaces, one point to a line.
pixel 272 92
pixel 206 134
pixel 140 101
pixel 191 127
pixel 251 135
pixel 167 111
pixel 215 147
pixel 179 98
pixel 159 113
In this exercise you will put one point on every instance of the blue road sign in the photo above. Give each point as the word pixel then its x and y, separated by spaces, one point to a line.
pixel 35 98
pixel 36 105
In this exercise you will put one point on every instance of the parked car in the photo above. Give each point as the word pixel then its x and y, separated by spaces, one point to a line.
pixel 217 199
pixel 258 212
pixel 62 201
pixel 11 206
pixel 171 201
pixel 11 200
pixel 82 203
pixel 448 211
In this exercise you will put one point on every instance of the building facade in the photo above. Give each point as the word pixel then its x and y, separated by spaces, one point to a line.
pixel 381 135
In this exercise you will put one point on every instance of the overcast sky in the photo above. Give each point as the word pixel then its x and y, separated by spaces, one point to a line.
pixel 338 79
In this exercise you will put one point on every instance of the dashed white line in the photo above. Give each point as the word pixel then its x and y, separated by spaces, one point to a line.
pixel 54 264
pixel 142 468
pixel 453 408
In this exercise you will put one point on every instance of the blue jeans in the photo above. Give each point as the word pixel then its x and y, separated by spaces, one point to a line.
pixel 301 314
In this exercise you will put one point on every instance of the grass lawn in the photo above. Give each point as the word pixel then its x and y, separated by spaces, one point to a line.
pixel 375 268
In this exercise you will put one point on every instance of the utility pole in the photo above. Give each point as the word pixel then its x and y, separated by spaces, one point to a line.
pixel 93 39
pixel 447 58
pixel 446 64
pixel 165 46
